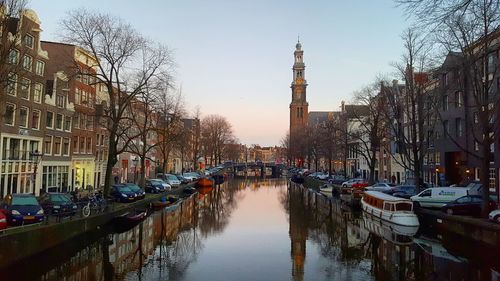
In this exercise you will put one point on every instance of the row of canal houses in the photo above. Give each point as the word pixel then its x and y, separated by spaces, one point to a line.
pixel 452 129
pixel 50 135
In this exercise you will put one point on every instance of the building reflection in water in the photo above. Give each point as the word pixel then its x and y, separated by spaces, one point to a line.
pixel 327 242
pixel 363 244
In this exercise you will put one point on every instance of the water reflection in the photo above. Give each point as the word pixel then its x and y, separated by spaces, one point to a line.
pixel 261 230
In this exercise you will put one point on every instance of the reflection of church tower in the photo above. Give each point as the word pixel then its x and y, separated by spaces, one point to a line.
pixel 299 108
pixel 298 234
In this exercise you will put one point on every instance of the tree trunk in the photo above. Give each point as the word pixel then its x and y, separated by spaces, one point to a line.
pixel 112 160
pixel 484 178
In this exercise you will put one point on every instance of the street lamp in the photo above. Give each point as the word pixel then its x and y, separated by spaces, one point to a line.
pixel 35 157
pixel 135 160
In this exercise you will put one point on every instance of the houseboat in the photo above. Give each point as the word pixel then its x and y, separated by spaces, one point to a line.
pixel 389 208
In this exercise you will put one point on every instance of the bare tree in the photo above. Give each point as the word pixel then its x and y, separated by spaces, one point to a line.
pixel 126 63
pixel 285 145
pixel 368 125
pixel 169 127
pixel 407 107
pixel 470 27
pixel 11 32
pixel 216 133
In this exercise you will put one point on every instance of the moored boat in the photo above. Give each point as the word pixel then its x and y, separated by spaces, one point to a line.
pixel 128 220
pixel 164 202
pixel 205 182
pixel 389 208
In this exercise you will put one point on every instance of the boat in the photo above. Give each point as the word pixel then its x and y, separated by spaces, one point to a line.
pixel 396 234
pixel 328 190
pixel 351 195
pixel 164 202
pixel 205 182
pixel 389 208
pixel 128 220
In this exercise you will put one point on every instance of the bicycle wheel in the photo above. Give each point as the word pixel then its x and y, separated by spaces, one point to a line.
pixel 86 211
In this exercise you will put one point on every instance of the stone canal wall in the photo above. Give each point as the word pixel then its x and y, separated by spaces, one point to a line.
pixel 31 240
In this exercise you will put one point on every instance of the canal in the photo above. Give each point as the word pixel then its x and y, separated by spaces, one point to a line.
pixel 261 230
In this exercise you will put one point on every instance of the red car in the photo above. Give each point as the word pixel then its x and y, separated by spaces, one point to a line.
pixel 3 221
pixel 360 184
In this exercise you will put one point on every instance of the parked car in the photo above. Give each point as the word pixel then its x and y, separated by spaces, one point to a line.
pixel 381 186
pixel 3 221
pixel 154 186
pixel 191 176
pixel 182 179
pixel 437 197
pixel 337 180
pixel 172 180
pixel 360 184
pixel 21 209
pixel 57 203
pixel 322 176
pixel 122 193
pixel 495 216
pixel 135 188
pixel 467 205
pixel 403 191
pixel 350 182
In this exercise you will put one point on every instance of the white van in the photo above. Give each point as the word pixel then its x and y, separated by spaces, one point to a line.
pixel 437 197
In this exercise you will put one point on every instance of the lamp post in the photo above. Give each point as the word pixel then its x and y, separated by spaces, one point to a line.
pixel 35 157
pixel 135 160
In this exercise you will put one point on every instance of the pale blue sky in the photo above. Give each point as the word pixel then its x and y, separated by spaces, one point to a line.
pixel 235 57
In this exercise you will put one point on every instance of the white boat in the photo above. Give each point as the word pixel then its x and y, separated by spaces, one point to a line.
pixel 389 208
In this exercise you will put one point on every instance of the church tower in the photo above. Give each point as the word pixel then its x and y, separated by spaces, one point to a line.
pixel 298 107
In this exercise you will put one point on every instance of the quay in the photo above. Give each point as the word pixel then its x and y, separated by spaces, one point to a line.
pixel 473 229
pixel 21 242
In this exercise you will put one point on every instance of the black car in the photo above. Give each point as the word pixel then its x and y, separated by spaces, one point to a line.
pixel 57 203
pixel 22 209
pixel 135 188
pixel 469 205
pixel 403 191
pixel 122 193
pixel 154 186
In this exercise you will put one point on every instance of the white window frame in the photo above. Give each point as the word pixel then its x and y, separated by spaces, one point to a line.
pixel 25 65
pixel 25 42
pixel 35 90
pixel 62 122
pixel 25 82
pixel 53 119
pixel 39 67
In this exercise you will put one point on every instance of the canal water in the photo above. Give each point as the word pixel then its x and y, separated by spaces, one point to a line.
pixel 261 230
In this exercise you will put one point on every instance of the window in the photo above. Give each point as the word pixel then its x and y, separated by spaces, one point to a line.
pixel 23 117
pixel 50 120
pixel 24 88
pixel 82 144
pixel 426 193
pixel 60 101
pixel 37 92
pixel 446 128
pixel 28 41
pixel 445 102
pixel 463 200
pixel 75 144
pixel 27 62
pixel 459 127
pixel 9 118
pixel 83 121
pixel 76 120
pixel 90 123
pixel 77 96
pixel 57 145
pixel 35 119
pixel 89 145
pixel 12 84
pixel 476 146
pixel 67 123
pixel 65 147
pixel 476 118
pixel 40 67
pixel 13 56
pixel 59 121
pixel 458 99
pixel 47 145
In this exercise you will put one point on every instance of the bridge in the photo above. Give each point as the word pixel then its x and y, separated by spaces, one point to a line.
pixel 262 167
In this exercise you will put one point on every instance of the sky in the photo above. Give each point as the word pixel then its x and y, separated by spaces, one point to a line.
pixel 234 57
